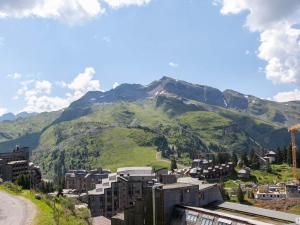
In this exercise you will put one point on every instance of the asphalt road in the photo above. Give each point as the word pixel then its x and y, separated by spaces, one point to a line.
pixel 15 210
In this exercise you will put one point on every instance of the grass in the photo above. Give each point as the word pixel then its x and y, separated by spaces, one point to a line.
pixel 64 213
pixel 44 211
pixel 121 150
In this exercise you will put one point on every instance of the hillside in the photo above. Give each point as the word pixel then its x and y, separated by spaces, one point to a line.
pixel 127 125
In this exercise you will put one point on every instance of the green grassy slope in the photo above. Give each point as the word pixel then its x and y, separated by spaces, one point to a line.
pixel 120 134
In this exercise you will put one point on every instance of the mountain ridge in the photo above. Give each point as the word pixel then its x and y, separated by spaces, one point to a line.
pixel 175 117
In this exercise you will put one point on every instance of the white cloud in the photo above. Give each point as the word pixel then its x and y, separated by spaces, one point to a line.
pixel 3 111
pixel 84 82
pixel 287 96
pixel 43 86
pixel 36 93
pixel 121 3
pixel 116 84
pixel 70 11
pixel 174 65
pixel 15 76
pixel 247 52
pixel 276 21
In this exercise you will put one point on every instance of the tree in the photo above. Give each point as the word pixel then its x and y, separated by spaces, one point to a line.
pixel 23 181
pixel 254 160
pixel 234 158
pixel 173 164
pixel 268 167
pixel 289 155
pixel 240 194
pixel 222 158
pixel 279 158
pixel 213 159
pixel 223 191
pixel 284 155
pixel 245 159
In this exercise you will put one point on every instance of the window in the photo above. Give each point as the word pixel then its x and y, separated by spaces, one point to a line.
pixel 191 218
pixel 207 222
pixel 222 223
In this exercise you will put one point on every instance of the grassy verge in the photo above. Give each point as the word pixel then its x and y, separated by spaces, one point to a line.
pixel 44 212
pixel 51 210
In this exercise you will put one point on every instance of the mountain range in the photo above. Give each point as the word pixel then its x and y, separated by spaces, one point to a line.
pixel 11 116
pixel 127 125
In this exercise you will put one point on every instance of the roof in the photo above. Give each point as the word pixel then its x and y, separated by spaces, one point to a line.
pixel 259 211
pixel 101 220
pixel 225 216
pixel 119 216
pixel 271 153
pixel 177 185
pixel 17 162
pixel 135 171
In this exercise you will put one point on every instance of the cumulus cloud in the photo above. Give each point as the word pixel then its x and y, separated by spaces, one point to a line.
pixel 3 111
pixel 122 3
pixel 116 84
pixel 43 86
pixel 174 65
pixel 287 96
pixel 83 83
pixel 36 93
pixel 70 11
pixel 15 76
pixel 276 21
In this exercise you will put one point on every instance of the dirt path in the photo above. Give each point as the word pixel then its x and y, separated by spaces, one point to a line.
pixel 16 210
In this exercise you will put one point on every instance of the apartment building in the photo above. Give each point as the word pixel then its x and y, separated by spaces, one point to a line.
pixel 13 169
pixel 16 163
pixel 119 191
pixel 82 181
pixel 204 169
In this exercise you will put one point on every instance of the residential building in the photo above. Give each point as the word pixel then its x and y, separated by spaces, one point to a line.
pixel 244 173
pixel 16 163
pixel 204 169
pixel 270 156
pixel 19 153
pixel 13 169
pixel 119 191
pixel 81 181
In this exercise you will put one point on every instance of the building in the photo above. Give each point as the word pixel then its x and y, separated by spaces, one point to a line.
pixel 244 173
pixel 119 191
pixel 270 156
pixel 35 174
pixel 292 191
pixel 204 169
pixel 81 181
pixel 271 192
pixel 16 163
pixel 19 153
pixel 228 213
pixel 13 169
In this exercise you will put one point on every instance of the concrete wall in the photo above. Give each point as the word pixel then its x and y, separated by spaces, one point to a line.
pixel 209 195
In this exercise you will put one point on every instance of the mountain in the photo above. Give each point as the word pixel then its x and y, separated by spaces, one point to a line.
pixel 11 116
pixel 126 126
pixel 7 117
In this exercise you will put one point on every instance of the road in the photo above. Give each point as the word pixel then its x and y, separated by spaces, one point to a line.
pixel 15 210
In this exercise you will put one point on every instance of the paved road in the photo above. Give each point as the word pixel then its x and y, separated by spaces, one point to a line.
pixel 15 210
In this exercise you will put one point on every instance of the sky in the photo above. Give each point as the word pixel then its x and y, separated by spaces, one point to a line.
pixel 54 51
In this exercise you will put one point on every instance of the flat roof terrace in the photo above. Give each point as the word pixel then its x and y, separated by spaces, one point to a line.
pixel 255 213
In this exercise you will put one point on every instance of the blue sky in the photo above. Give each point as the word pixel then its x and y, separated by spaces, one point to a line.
pixel 42 55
